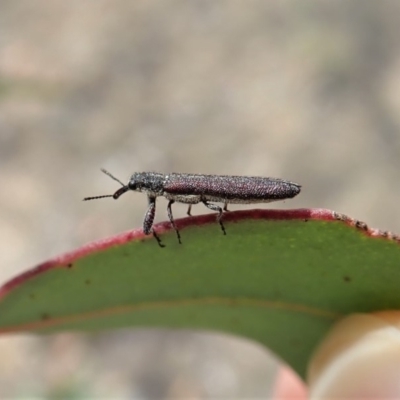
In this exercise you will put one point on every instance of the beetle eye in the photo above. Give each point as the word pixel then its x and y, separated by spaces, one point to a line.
pixel 132 185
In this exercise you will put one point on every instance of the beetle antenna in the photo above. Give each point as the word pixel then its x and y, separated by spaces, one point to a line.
pixel 112 176
pixel 116 194
pixel 97 197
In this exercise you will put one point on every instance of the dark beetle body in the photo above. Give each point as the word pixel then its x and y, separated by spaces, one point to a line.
pixel 207 189
pixel 195 188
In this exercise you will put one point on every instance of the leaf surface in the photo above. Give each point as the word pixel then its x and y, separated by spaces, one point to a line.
pixel 281 278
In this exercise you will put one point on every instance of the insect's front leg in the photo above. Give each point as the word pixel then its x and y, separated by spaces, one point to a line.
pixel 219 210
pixel 149 219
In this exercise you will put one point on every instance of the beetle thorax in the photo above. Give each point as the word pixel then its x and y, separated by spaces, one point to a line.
pixel 149 182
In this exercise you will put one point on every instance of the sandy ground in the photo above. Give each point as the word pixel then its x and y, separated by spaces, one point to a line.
pixel 307 91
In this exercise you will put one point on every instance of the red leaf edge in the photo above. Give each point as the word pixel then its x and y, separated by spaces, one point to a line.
pixel 65 260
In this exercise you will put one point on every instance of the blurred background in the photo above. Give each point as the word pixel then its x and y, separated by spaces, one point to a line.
pixel 306 91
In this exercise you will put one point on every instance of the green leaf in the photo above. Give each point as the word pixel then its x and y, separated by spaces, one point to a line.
pixel 281 278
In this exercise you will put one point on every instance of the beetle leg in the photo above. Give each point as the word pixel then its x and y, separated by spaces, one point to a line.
pixel 171 218
pixel 149 218
pixel 226 206
pixel 219 210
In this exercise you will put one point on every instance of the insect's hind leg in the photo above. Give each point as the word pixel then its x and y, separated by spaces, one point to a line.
pixel 219 210
pixel 226 206
pixel 171 219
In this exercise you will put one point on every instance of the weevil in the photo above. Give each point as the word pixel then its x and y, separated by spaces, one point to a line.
pixel 196 188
